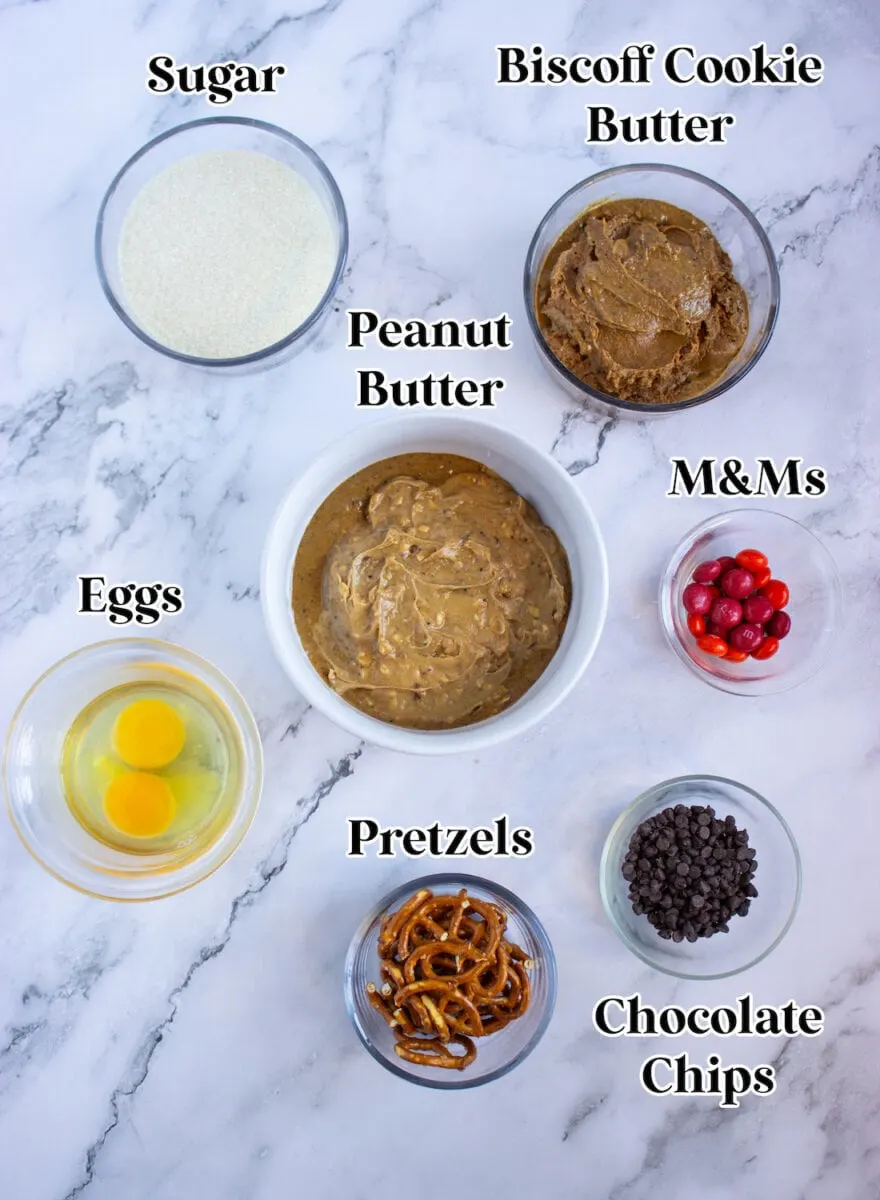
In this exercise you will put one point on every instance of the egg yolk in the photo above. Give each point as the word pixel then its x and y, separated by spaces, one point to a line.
pixel 139 804
pixel 148 734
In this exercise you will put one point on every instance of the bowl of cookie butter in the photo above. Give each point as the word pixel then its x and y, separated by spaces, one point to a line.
pixel 434 586
pixel 650 289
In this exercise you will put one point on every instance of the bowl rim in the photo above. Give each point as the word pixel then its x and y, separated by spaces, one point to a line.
pixel 769 686
pixel 285 640
pixel 523 912
pixel 310 321
pixel 645 801
pixel 717 389
pixel 244 722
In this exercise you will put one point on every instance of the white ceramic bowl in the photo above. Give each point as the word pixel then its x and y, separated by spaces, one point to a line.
pixel 536 476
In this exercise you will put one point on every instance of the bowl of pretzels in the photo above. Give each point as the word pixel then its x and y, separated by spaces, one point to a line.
pixel 450 981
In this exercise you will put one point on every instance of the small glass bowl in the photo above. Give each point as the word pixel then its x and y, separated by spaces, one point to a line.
pixel 194 137
pixel 496 1054
pixel 35 791
pixel 797 557
pixel 735 227
pixel 777 879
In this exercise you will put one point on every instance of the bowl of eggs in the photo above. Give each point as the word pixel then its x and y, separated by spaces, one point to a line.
pixel 132 769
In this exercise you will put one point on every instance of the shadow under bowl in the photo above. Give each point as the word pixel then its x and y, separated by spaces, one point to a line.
pixel 35 790
pixel 197 137
pixel 799 559
pixel 738 231
pixel 777 879
pixel 498 1053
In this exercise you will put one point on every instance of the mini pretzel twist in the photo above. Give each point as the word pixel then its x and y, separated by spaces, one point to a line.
pixel 450 976
pixel 427 1053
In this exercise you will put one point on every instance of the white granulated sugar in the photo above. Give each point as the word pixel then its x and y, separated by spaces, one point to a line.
pixel 225 253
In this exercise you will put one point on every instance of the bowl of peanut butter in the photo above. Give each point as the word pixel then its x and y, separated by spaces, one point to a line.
pixel 434 586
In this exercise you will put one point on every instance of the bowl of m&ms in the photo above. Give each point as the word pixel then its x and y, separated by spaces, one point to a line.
pixel 750 601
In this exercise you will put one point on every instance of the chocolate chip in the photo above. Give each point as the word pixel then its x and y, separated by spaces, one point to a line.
pixel 687 861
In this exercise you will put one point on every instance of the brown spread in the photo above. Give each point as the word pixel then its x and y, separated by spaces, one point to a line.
pixel 638 300
pixel 428 593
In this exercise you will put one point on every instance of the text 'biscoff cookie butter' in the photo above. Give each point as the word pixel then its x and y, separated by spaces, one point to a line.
pixel 638 300
pixel 428 593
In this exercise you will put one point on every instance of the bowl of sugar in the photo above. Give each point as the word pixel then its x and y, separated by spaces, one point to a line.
pixel 221 243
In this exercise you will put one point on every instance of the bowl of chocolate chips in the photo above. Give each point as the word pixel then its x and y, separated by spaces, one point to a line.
pixel 701 877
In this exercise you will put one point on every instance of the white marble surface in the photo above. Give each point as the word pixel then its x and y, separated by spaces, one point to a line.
pixel 199 1047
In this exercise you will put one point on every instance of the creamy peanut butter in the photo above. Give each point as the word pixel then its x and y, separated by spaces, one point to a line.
pixel 428 593
pixel 638 300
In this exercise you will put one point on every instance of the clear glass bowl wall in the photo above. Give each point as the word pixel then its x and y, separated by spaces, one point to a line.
pixel 35 791
pixel 778 880
pixel 194 137
pixel 799 559
pixel 735 227
pixel 496 1054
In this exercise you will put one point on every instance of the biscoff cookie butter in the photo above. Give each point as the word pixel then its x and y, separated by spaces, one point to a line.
pixel 638 300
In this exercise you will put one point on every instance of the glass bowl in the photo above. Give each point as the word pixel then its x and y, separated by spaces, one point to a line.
pixel 35 791
pixel 194 137
pixel 499 1052
pixel 797 557
pixel 735 227
pixel 777 879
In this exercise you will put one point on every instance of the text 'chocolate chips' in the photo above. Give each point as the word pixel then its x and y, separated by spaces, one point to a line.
pixel 689 872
